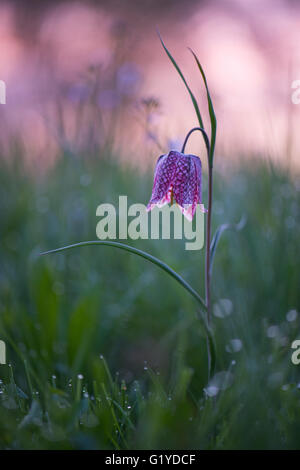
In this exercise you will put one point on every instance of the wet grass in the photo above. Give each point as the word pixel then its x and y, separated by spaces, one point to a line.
pixel 105 351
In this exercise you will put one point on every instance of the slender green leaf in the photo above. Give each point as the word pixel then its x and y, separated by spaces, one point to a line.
pixel 211 343
pixel 216 238
pixel 213 120
pixel 194 101
pixel 144 255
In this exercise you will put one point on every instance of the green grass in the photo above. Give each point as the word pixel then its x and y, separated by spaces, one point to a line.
pixel 106 351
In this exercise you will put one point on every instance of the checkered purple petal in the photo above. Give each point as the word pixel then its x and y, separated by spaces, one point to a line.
pixel 181 174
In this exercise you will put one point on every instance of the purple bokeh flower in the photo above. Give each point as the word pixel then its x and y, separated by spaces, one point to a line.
pixel 177 176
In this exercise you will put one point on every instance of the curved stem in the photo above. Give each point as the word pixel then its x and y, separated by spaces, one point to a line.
pixel 208 226
pixel 205 137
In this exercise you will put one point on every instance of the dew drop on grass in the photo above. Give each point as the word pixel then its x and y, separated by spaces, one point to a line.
pixel 80 377
pixel 273 331
pixel 211 391
pixel 234 345
pixel 292 315
pixel 220 381
pixel 223 308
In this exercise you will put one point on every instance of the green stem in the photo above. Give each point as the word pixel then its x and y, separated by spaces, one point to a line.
pixel 205 137
pixel 208 234
pixel 207 257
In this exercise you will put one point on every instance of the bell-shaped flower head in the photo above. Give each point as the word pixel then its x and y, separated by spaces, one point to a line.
pixel 178 176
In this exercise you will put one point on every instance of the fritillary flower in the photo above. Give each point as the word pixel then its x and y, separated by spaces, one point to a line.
pixel 177 177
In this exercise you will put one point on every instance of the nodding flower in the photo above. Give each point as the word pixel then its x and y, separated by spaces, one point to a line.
pixel 177 177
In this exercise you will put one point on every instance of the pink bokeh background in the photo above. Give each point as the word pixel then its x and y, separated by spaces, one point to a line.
pixel 250 51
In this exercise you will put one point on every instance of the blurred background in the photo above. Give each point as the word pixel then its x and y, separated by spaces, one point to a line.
pixel 57 55
pixel 105 351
